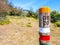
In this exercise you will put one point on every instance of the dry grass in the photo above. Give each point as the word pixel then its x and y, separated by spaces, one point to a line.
pixel 55 35
pixel 17 33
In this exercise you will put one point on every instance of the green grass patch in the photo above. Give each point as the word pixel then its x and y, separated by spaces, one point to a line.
pixel 57 24
pixel 29 24
pixel 4 22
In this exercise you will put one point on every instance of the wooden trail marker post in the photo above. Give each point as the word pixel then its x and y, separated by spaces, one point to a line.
pixel 44 26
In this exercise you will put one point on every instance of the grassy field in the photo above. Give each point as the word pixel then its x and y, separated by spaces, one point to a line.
pixel 25 31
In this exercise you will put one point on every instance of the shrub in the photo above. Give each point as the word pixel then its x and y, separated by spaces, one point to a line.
pixel 57 24
pixel 55 16
pixel 29 25
pixel 4 22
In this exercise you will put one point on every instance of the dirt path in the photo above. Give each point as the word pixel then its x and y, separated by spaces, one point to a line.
pixel 14 34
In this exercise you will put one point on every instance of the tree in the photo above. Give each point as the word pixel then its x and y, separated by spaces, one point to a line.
pixel 33 14
pixel 54 16
pixel 3 1
pixel 58 17
pixel 4 9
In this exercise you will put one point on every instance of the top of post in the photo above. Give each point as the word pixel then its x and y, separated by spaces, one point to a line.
pixel 44 10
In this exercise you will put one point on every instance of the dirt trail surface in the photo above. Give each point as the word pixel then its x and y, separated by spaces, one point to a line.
pixel 17 33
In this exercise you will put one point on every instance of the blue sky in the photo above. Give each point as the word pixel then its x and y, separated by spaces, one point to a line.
pixel 36 4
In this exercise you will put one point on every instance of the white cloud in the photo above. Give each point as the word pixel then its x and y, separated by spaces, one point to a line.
pixel 27 4
pixel 32 3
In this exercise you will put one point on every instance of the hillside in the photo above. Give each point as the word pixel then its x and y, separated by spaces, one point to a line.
pixel 25 31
